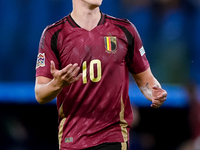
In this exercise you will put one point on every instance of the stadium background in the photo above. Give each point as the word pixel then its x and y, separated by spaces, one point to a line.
pixel 170 31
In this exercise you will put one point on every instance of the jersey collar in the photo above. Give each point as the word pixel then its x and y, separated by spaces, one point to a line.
pixel 75 25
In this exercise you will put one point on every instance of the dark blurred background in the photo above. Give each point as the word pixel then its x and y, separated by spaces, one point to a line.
pixel 170 31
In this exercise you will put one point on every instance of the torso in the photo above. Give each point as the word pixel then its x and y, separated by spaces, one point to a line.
pixel 97 108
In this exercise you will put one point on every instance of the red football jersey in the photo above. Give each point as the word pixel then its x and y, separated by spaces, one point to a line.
pixel 97 108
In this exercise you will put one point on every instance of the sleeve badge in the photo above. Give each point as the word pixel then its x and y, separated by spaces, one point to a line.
pixel 40 60
pixel 142 51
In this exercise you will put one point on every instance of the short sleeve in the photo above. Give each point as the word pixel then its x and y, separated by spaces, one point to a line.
pixel 45 55
pixel 136 56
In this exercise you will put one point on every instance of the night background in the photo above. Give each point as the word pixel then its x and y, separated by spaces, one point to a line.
pixel 170 31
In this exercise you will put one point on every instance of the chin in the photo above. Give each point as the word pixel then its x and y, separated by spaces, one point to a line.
pixel 94 2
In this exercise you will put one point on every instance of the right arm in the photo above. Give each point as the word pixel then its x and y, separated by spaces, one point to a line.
pixel 47 89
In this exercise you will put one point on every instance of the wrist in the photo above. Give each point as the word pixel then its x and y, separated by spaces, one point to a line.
pixel 56 85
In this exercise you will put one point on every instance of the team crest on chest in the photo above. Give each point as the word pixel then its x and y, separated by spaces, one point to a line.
pixel 40 60
pixel 110 44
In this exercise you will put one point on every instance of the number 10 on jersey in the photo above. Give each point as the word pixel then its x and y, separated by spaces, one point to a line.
pixel 92 71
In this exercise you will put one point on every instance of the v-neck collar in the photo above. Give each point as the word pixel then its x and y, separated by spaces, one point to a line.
pixel 75 25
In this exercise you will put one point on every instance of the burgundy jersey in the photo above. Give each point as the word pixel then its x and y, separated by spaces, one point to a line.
pixel 96 109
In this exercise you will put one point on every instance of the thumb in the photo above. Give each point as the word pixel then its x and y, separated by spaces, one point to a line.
pixel 155 87
pixel 155 90
pixel 53 68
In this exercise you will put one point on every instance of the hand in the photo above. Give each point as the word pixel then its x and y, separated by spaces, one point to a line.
pixel 66 76
pixel 159 96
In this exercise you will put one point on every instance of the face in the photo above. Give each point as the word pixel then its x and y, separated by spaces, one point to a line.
pixel 93 2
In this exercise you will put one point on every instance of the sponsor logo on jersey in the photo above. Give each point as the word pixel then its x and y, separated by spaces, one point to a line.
pixel 40 60
pixel 142 51
pixel 110 44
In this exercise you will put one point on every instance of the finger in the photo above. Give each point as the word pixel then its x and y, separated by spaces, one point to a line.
pixel 53 68
pixel 159 91
pixel 78 77
pixel 75 71
pixel 158 103
pixel 161 100
pixel 162 96
pixel 155 102
pixel 69 69
pixel 154 106
pixel 65 70
pixel 155 87
pixel 73 74
pixel 75 79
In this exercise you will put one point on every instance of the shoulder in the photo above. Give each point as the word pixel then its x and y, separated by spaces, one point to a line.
pixel 59 25
pixel 122 23
pixel 114 19
pixel 51 30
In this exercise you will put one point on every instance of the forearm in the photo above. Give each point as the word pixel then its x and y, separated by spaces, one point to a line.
pixel 146 87
pixel 150 88
pixel 46 92
pixel 145 82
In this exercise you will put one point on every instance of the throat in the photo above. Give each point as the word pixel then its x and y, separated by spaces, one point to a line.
pixel 87 22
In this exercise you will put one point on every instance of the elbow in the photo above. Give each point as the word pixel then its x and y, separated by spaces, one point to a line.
pixel 43 96
pixel 39 100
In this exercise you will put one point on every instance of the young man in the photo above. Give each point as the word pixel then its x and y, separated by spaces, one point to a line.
pixel 84 60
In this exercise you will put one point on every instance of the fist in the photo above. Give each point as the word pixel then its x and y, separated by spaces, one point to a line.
pixel 159 96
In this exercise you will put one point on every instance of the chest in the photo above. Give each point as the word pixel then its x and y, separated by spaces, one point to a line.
pixel 103 44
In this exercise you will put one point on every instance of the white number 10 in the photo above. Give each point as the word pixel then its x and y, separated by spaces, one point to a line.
pixel 92 77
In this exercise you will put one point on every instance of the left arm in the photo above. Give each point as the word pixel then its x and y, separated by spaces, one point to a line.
pixel 150 88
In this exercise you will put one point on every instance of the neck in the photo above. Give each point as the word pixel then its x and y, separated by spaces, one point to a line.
pixel 86 16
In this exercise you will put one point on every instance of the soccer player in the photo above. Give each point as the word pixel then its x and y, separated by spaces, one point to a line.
pixel 84 60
